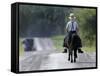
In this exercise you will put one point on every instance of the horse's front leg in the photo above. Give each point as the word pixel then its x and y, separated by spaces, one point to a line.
pixel 75 54
pixel 71 56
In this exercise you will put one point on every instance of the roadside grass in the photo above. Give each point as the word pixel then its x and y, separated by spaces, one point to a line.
pixel 58 43
pixel 89 49
pixel 21 49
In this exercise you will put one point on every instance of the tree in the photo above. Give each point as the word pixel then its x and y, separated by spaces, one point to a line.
pixel 87 23
pixel 42 20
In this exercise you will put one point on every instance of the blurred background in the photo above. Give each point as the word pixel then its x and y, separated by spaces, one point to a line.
pixel 50 22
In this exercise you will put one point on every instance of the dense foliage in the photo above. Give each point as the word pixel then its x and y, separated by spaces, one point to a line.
pixel 41 21
pixel 87 24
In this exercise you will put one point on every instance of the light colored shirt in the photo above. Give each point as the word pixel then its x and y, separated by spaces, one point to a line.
pixel 72 26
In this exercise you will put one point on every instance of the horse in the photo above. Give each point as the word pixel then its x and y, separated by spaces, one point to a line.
pixel 73 45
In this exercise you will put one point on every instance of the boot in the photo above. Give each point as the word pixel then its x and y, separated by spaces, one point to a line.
pixel 80 51
pixel 65 51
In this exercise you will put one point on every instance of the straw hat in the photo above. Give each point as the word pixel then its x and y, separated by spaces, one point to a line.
pixel 72 16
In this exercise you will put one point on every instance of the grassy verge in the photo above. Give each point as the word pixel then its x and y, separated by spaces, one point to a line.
pixel 58 42
pixel 89 49
pixel 21 49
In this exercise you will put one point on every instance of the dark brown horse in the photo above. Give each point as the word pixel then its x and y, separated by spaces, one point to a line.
pixel 75 43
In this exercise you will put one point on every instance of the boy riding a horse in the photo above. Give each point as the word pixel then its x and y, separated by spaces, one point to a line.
pixel 72 28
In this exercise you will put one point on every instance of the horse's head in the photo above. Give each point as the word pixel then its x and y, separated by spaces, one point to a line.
pixel 74 35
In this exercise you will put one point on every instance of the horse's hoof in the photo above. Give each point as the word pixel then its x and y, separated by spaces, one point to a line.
pixel 71 61
pixel 68 58
pixel 80 51
pixel 74 60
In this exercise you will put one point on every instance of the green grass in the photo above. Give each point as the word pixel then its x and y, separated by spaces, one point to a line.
pixel 21 49
pixel 89 49
pixel 58 43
